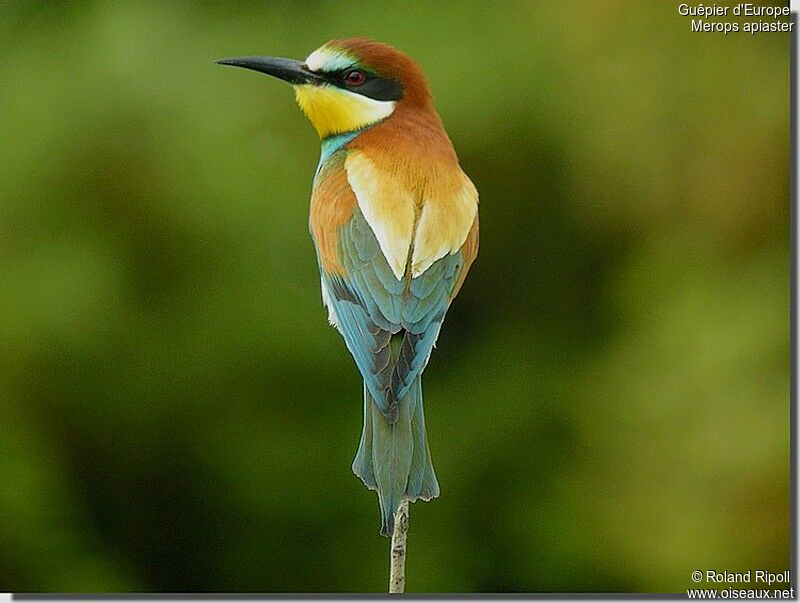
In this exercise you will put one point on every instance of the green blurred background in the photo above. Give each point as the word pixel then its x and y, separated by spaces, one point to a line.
pixel 608 405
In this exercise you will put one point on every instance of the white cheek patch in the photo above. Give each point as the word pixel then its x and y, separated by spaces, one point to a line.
pixel 326 59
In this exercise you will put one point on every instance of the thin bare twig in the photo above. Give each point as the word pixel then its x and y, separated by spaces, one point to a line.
pixel 397 563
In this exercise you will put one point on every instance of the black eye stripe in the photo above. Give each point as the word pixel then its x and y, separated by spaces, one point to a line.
pixel 374 86
pixel 379 88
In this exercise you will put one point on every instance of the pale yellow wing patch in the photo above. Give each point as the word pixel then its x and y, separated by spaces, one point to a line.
pixel 443 226
pixel 387 207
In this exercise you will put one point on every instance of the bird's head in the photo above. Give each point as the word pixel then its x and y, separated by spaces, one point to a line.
pixel 347 85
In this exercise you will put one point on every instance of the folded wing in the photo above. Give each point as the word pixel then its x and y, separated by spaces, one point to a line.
pixel 390 265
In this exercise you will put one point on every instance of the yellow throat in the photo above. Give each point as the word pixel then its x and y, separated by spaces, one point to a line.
pixel 332 110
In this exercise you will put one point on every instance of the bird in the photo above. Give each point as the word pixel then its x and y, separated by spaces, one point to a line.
pixel 394 221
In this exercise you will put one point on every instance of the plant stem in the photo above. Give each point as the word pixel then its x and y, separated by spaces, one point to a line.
pixel 397 562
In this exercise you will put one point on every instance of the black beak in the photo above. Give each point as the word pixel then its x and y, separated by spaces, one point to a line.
pixel 288 70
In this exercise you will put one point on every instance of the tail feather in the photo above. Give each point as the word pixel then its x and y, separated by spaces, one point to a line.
pixel 422 482
pixel 362 464
pixel 392 452
pixel 394 458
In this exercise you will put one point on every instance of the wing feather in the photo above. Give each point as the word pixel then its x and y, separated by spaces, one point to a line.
pixel 370 298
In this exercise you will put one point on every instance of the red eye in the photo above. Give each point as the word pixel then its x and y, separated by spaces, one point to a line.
pixel 354 77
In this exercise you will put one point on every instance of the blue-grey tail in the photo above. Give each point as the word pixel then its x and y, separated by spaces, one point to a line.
pixel 394 459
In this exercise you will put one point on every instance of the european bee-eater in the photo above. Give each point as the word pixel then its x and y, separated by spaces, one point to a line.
pixel 394 221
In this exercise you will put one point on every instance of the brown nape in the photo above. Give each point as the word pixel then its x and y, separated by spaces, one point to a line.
pixel 390 62
pixel 413 145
